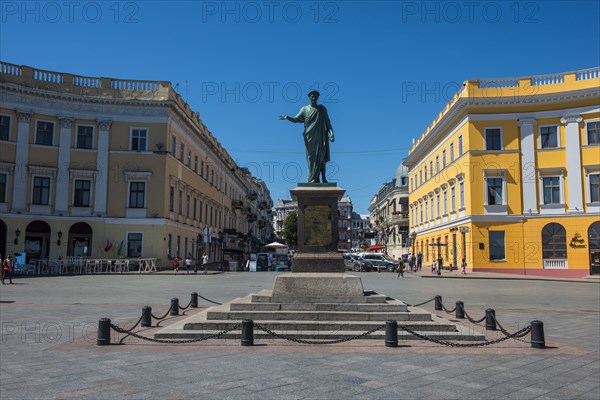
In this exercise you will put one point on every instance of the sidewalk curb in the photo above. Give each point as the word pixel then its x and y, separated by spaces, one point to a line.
pixel 508 278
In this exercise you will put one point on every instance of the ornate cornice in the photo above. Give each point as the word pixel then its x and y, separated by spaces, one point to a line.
pixel 569 119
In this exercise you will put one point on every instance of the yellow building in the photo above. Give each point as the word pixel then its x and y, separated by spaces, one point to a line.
pixel 508 176
pixel 106 168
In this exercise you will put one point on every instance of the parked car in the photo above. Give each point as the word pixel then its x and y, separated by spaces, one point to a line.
pixel 356 263
pixel 379 260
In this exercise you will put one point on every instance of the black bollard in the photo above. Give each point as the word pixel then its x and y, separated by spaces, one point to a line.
pixel 174 306
pixel 194 303
pixel 247 332
pixel 438 302
pixel 490 319
pixel 537 335
pixel 460 310
pixel 103 338
pixel 391 333
pixel 146 316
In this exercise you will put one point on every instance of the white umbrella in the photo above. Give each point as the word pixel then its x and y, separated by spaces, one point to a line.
pixel 276 245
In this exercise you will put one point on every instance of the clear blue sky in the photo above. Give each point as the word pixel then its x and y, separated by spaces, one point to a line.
pixel 384 68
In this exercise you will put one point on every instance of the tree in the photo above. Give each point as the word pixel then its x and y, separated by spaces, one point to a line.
pixel 290 229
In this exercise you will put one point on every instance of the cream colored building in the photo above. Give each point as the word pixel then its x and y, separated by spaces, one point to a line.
pixel 508 176
pixel 389 214
pixel 102 168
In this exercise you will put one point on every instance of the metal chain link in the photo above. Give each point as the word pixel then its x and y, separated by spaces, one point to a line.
pixel 523 332
pixel 504 331
pixel 296 340
pixel 136 324
pixel 186 307
pixel 420 304
pixel 448 311
pixel 214 302
pixel 471 319
pixel 163 317
pixel 170 341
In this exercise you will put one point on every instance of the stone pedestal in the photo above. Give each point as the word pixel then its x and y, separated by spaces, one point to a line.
pixel 318 233
pixel 317 285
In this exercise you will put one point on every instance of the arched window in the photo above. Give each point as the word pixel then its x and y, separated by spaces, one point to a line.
pixel 554 241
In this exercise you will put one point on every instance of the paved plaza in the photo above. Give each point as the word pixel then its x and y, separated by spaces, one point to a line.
pixel 49 324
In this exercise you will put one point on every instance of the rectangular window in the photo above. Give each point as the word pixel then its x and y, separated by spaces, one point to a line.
pixel 202 168
pixel 4 127
pixel 134 244
pixel 460 146
pixel 3 179
pixel 178 246
pixel 180 202
pixel 189 159
pixel 41 191
pixel 549 137
pixel 85 135
pixel 432 216
pixel 453 199
pixel 139 138
pixel 181 151
pixel 196 164
pixel 426 210
pixel 595 188
pixel 81 196
pixel 593 132
pixel 451 152
pixel 172 198
pixel 551 190
pixel 200 211
pixel 497 247
pixel 493 139
pixel 425 174
pixel 44 133
pixel 494 191
pixel 187 206
pixel 437 204
pixel 461 189
pixel 170 246
pixel 195 208
pixel 137 191
pixel 445 202
pixel 420 177
pixel 431 168
pixel 437 164
pixel 443 158
pixel 174 146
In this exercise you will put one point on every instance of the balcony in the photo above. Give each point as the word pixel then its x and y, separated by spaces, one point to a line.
pixel 263 205
pixel 251 196
pixel 237 204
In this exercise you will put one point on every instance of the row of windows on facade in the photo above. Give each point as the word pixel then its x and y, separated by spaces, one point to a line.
pixel 138 141
pixel 428 205
pixel 549 138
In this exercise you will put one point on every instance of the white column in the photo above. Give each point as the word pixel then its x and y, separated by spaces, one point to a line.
pixel 101 189
pixel 573 147
pixel 528 167
pixel 64 160
pixel 19 202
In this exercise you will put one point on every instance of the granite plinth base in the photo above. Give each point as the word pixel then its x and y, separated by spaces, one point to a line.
pixel 317 284
pixel 331 262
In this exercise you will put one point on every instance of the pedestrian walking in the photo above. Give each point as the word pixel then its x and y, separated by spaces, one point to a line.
pixel 419 261
pixel 433 267
pixel 440 265
pixel 463 265
pixel 176 264
pixel 7 269
pixel 205 262
pixel 400 268
pixel 188 263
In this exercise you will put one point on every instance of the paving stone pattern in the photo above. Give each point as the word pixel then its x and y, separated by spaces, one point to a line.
pixel 48 344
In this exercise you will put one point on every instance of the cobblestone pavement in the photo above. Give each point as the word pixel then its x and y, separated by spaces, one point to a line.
pixel 48 344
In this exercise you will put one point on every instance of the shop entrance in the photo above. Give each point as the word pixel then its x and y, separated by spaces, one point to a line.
pixel 594 246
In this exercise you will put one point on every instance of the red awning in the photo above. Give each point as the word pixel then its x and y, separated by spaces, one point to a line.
pixel 373 248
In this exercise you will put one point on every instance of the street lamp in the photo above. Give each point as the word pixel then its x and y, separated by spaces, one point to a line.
pixel 17 233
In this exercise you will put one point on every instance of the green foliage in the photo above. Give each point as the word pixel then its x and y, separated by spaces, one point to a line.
pixel 290 229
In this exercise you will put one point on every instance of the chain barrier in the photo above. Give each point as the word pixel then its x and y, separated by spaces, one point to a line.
pixel 134 326
pixel 420 304
pixel 448 311
pixel 472 320
pixel 170 341
pixel 296 340
pixel 186 307
pixel 210 301
pixel 504 331
pixel 163 317
pixel 523 332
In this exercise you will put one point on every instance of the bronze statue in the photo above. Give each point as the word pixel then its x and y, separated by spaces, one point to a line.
pixel 317 135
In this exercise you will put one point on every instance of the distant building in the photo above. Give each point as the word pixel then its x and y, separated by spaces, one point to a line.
pixel 508 176
pixel 389 214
